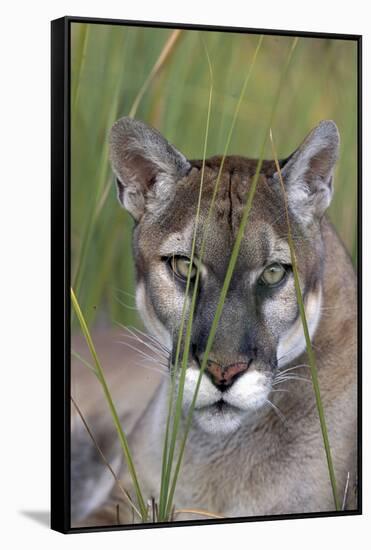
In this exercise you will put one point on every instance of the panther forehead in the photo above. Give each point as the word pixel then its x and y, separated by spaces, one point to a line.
pixel 178 242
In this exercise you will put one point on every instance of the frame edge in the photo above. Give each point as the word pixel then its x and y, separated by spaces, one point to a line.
pixel 60 443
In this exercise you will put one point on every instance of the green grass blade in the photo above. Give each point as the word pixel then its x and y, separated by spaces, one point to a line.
pixel 95 202
pixel 104 459
pixel 310 352
pixel 104 181
pixel 75 93
pixel 165 53
pixel 190 320
pixel 169 447
pixel 193 303
pixel 229 274
pixel 203 244
pixel 175 102
pixel 83 361
pixel 107 394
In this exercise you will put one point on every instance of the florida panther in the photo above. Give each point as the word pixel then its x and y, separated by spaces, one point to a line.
pixel 255 446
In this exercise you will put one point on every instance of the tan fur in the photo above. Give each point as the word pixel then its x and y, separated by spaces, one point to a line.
pixel 271 463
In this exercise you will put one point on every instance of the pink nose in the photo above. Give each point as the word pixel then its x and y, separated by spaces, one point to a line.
pixel 225 376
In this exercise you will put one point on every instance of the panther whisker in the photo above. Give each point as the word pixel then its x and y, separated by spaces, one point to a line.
pixel 155 362
pixel 283 376
pixel 284 379
pixel 148 345
pixel 295 367
pixel 132 306
pixel 279 413
pixel 122 303
pixel 289 375
pixel 152 368
pixel 288 353
pixel 150 337
pixel 317 348
pixel 138 350
pixel 331 308
pixel 155 350
pixel 124 292
pixel 151 345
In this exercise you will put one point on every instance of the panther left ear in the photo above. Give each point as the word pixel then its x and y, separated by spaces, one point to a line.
pixel 308 172
pixel 145 164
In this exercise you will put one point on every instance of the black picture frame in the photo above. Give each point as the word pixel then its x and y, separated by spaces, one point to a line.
pixel 60 269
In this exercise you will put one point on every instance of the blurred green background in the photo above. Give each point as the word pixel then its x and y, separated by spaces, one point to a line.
pixel 111 77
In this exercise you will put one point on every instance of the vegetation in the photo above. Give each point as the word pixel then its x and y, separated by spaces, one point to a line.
pixel 208 93
pixel 110 73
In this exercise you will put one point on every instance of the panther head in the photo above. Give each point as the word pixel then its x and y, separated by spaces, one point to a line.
pixel 259 330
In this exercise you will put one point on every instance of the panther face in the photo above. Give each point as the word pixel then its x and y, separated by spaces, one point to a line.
pixel 259 331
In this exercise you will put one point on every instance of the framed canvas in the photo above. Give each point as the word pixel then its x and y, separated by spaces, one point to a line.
pixel 206 191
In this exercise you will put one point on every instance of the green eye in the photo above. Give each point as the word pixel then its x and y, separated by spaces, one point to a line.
pixel 273 274
pixel 180 265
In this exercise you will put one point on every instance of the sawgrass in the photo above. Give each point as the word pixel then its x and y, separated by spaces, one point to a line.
pixel 233 257
pixel 170 438
pixel 167 492
pixel 101 257
pixel 110 78
pixel 99 372
pixel 308 343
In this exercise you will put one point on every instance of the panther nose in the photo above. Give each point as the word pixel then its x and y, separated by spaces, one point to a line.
pixel 224 376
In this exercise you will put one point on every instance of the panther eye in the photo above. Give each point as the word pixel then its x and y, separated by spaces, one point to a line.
pixel 180 265
pixel 273 274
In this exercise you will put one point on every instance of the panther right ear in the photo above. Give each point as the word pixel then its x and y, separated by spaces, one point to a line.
pixel 145 164
pixel 308 172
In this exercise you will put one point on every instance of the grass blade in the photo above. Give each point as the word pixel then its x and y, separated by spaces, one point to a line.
pixel 107 394
pixel 102 191
pixel 104 459
pixel 75 93
pixel 203 244
pixel 198 513
pixel 165 53
pixel 229 273
pixel 83 361
pixel 310 352
pixel 169 448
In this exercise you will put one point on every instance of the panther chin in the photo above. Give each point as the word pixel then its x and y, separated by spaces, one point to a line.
pixel 219 418
pixel 218 412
